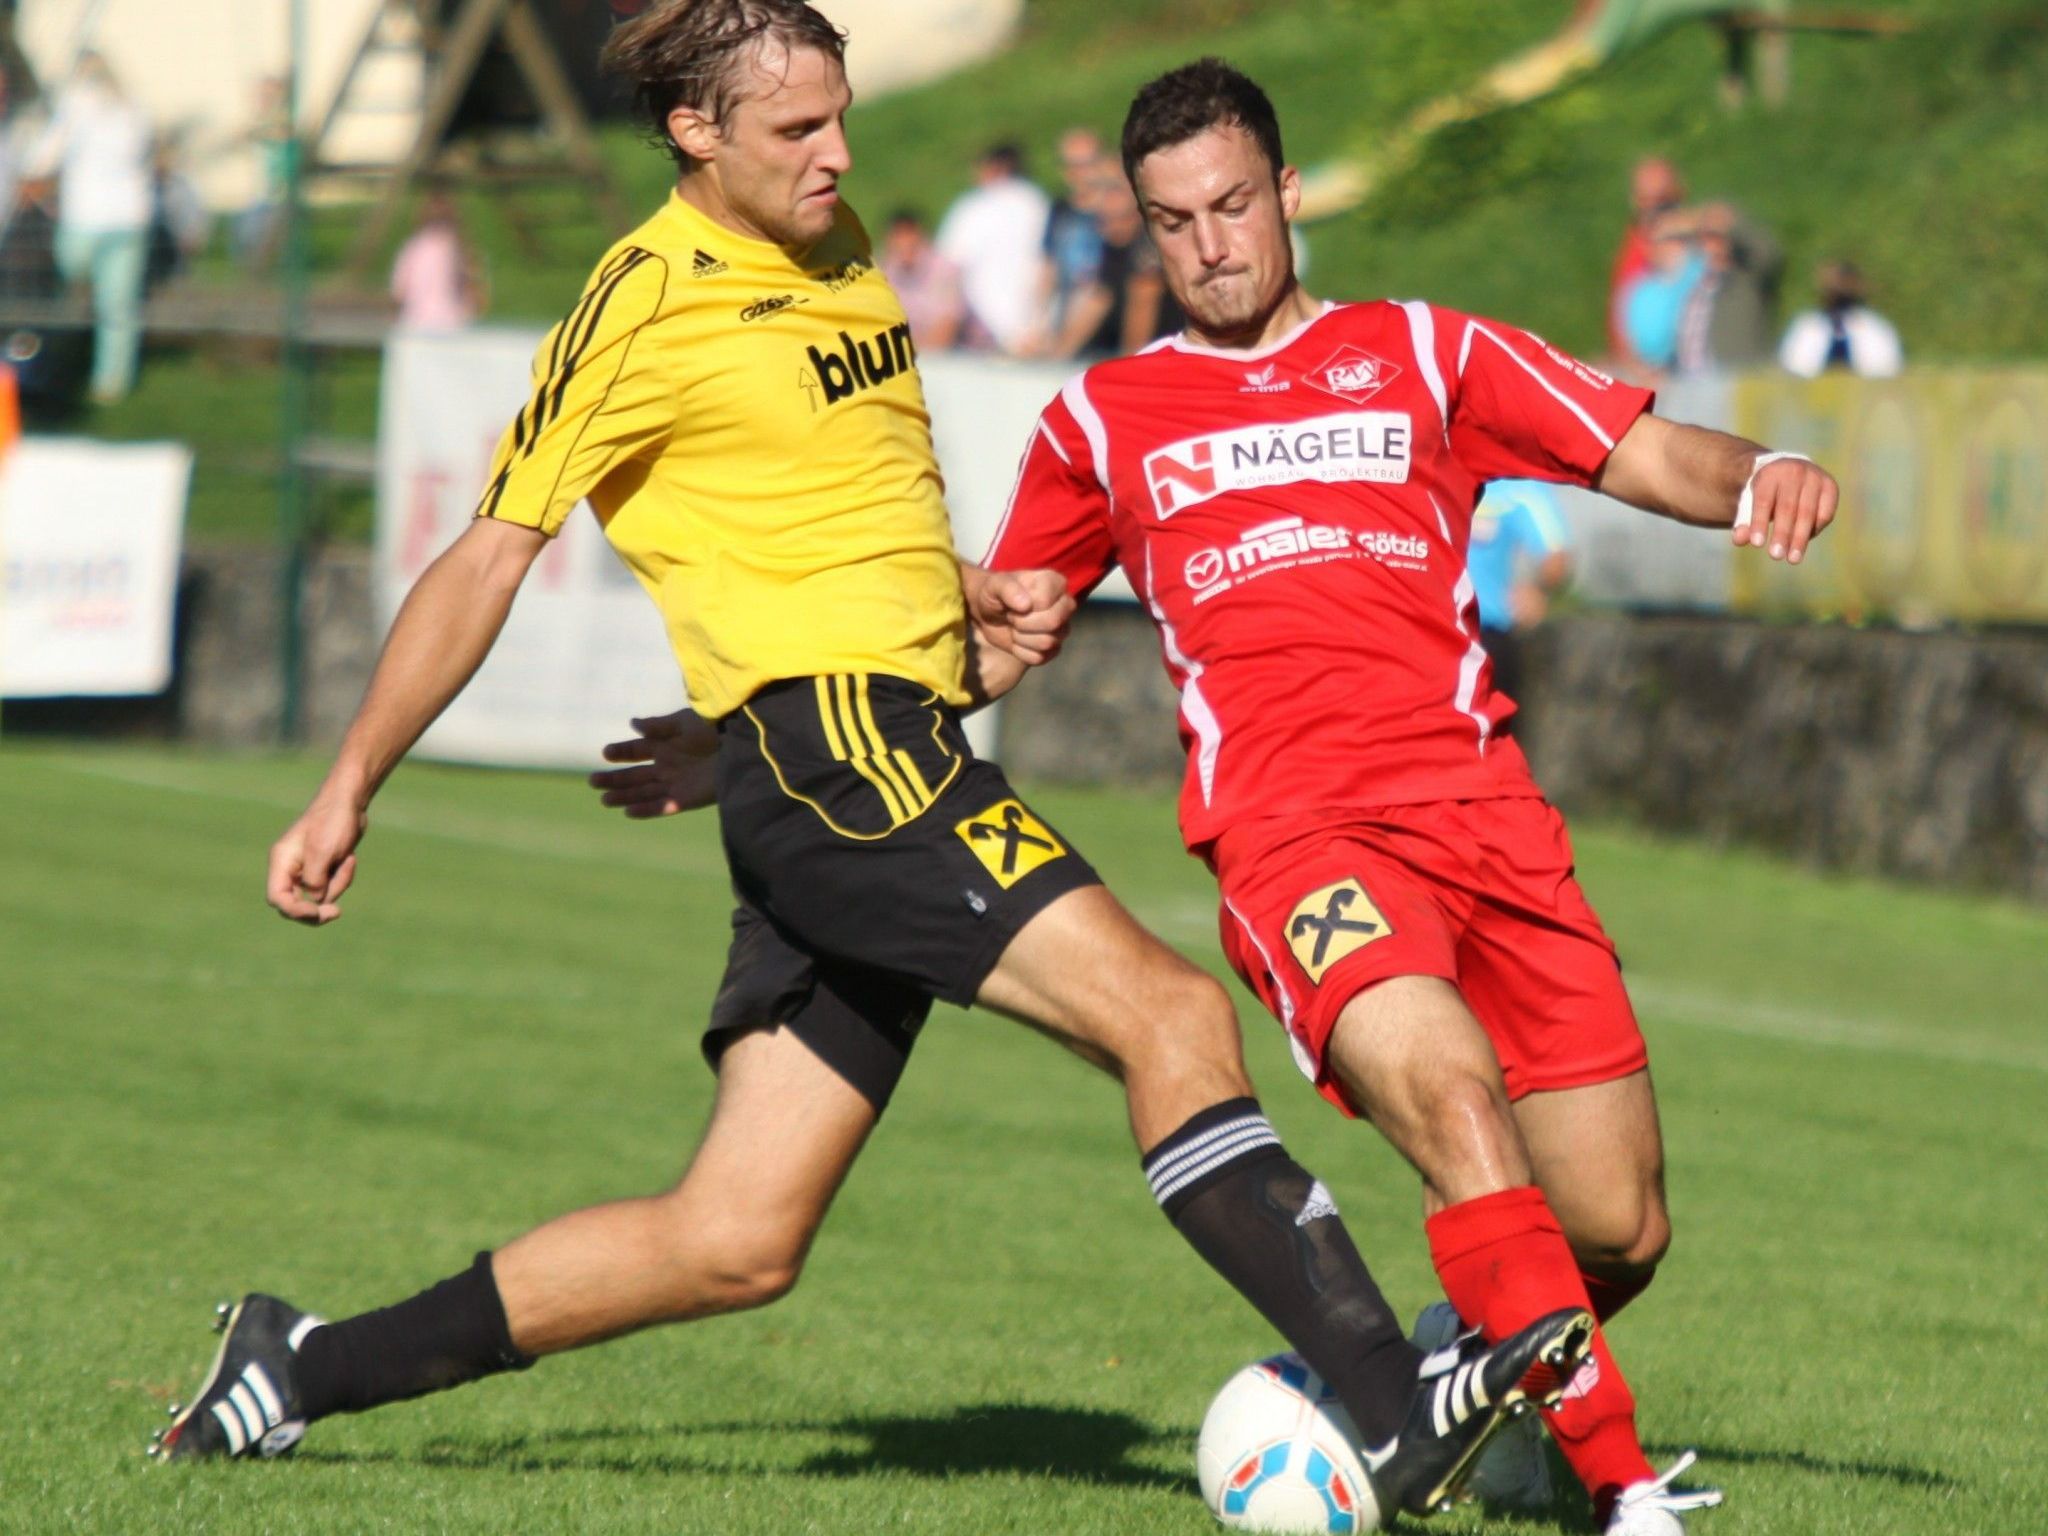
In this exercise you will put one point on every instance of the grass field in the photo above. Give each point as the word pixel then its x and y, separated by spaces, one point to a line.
pixel 997 1332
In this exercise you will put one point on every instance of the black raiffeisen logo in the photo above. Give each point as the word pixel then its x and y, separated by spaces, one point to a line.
pixel 775 304
pixel 857 365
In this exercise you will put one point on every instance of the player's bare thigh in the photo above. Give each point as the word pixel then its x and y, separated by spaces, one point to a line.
pixel 1598 1152
pixel 1413 1058
pixel 733 1232
pixel 1086 973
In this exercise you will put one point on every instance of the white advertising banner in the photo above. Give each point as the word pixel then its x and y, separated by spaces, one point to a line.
pixel 584 649
pixel 89 541
pixel 1626 558
pixel 983 412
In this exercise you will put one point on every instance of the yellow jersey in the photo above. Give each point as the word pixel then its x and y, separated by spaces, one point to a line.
pixel 748 424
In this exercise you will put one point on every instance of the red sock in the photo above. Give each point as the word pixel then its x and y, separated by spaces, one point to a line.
pixel 1504 1263
pixel 1610 1296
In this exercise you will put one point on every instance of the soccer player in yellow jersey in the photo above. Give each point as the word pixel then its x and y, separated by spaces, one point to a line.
pixel 736 396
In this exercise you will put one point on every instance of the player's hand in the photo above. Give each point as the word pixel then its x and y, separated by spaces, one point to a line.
pixel 315 861
pixel 671 770
pixel 1022 613
pixel 1792 502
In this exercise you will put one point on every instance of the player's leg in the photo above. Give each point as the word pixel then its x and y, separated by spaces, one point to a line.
pixel 732 1234
pixel 795 1103
pixel 1085 972
pixel 1535 966
pixel 1417 1062
pixel 1598 1155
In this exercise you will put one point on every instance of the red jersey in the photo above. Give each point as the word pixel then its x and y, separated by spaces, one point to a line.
pixel 1296 519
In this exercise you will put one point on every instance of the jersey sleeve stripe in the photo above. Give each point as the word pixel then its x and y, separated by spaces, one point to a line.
pixel 1557 394
pixel 625 354
pixel 1422 337
pixel 1090 420
pixel 581 344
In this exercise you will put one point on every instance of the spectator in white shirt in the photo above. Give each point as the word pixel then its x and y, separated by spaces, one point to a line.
pixel 1844 332
pixel 98 146
pixel 994 237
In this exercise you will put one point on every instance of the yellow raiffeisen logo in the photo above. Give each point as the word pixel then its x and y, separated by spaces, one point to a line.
pixel 1331 923
pixel 1009 841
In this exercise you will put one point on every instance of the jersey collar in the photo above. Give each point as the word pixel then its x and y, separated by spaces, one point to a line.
pixel 1180 343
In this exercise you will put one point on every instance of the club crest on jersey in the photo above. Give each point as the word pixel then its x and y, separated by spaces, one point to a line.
pixel 1330 923
pixel 1352 445
pixel 1352 374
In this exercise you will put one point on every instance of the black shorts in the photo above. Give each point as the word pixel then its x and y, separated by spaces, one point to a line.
pixel 877 864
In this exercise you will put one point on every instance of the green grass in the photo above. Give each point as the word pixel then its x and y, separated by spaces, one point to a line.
pixel 996 1333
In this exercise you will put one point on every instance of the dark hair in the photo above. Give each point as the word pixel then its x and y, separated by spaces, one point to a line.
pixel 906 215
pixel 684 53
pixel 1187 102
pixel 1008 154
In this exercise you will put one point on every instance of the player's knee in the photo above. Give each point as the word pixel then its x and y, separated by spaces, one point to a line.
pixel 1626 1241
pixel 1186 1026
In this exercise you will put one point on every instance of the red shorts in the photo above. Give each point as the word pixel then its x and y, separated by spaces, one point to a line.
pixel 1318 907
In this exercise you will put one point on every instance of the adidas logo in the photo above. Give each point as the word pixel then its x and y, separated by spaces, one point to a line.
pixel 704 264
pixel 859 365
pixel 1319 1205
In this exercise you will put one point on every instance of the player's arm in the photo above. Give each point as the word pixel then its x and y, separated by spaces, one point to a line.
pixel 441 635
pixel 1049 551
pixel 1521 407
pixel 601 396
pixel 1716 480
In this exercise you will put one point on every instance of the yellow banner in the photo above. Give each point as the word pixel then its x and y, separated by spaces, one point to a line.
pixel 1944 496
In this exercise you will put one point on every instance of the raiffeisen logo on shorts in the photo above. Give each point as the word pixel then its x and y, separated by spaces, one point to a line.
pixel 1294 541
pixel 1352 445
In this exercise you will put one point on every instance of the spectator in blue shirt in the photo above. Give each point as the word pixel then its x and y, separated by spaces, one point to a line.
pixel 1520 557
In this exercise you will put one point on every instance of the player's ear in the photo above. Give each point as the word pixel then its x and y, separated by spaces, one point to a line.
pixel 694 134
pixel 1290 192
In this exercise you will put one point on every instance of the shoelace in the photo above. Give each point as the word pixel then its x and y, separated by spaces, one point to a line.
pixel 1658 1495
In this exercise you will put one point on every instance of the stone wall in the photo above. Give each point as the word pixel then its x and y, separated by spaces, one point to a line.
pixel 1921 755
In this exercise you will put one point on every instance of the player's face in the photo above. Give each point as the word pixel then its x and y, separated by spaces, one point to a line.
pixel 781 152
pixel 1219 218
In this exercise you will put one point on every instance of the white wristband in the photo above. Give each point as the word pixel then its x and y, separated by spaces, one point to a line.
pixel 1745 504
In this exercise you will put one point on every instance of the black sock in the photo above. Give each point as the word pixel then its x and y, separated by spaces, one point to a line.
pixel 1271 1229
pixel 451 1333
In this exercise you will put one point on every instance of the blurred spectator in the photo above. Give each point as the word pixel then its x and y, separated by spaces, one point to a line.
pixel 254 231
pixel 1731 315
pixel 993 236
pixel 1073 243
pixel 1124 303
pixel 925 282
pixel 98 146
pixel 1520 557
pixel 182 225
pixel 1845 332
pixel 1650 307
pixel 434 277
pixel 1654 189
pixel 11 151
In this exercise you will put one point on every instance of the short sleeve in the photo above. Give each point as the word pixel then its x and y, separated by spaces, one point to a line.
pixel 600 399
pixel 1521 407
pixel 1058 518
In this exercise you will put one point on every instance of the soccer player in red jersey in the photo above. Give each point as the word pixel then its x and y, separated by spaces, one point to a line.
pixel 1289 484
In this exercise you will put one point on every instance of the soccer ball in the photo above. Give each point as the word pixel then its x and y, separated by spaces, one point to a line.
pixel 1279 1453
